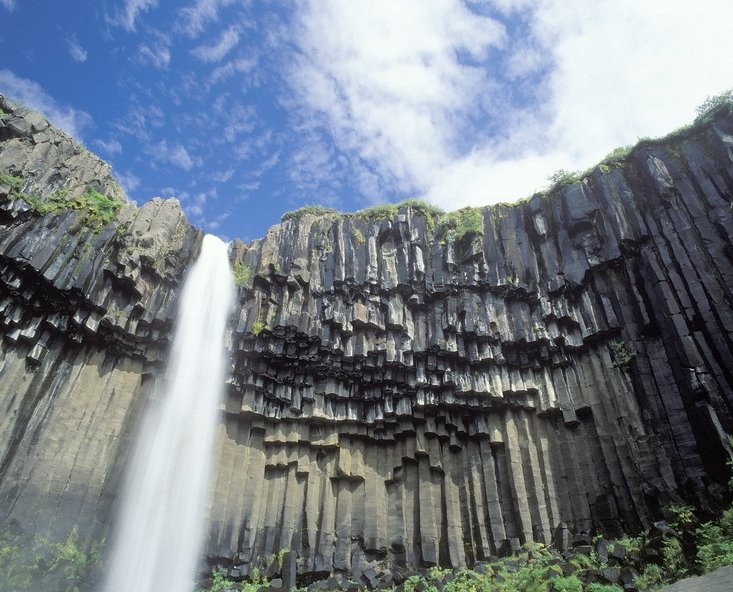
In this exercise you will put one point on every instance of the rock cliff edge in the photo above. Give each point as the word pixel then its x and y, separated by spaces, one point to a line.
pixel 401 389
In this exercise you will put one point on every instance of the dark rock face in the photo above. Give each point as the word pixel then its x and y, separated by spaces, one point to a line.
pixel 392 398
pixel 85 316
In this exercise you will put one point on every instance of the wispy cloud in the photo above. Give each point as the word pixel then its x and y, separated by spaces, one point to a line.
pixel 241 65
pixel 139 122
pixel 158 54
pixel 29 92
pixel 109 147
pixel 129 181
pixel 175 154
pixel 223 176
pixel 132 9
pixel 235 117
pixel 9 4
pixel 437 99
pixel 216 51
pixel 77 52
pixel 393 81
pixel 197 15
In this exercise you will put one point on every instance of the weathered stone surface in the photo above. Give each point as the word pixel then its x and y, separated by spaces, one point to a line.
pixel 430 403
pixel 407 402
pixel 85 317
pixel 720 580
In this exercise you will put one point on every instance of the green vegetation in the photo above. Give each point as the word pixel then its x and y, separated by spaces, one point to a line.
pixel 622 355
pixel 258 327
pixel 389 212
pixel 430 212
pixel 712 105
pixel 221 583
pixel 13 181
pixel 98 208
pixel 715 543
pixel 540 568
pixel 314 210
pixel 131 249
pixel 683 516
pixel 358 236
pixel 460 224
pixel 34 563
pixel 563 177
pixel 377 213
pixel 705 113
pixel 616 157
pixel 242 274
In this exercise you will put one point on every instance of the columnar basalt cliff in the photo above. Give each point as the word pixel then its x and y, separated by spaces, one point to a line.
pixel 397 392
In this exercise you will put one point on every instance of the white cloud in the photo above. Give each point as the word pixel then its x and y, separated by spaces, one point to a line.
pixel 387 79
pixel 110 147
pixel 30 93
pixel 216 51
pixel 77 52
pixel 159 54
pixel 175 154
pixel 430 97
pixel 236 118
pixel 129 181
pixel 625 69
pixel 242 65
pixel 223 176
pixel 132 9
pixel 9 4
pixel 196 16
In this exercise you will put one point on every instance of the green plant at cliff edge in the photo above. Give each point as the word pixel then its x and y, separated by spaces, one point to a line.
pixel 460 224
pixel 712 104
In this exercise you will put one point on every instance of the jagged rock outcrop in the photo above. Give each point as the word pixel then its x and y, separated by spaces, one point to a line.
pixel 85 316
pixel 392 397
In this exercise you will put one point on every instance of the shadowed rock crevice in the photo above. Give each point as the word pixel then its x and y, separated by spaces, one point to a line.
pixel 394 395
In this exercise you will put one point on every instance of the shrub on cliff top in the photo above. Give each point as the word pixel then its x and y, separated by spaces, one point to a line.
pixel 713 104
pixel 463 223
pixel 314 210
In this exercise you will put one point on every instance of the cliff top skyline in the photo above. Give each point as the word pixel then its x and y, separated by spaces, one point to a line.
pixel 246 110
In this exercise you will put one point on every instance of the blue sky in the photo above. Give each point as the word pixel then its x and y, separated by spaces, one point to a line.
pixel 246 109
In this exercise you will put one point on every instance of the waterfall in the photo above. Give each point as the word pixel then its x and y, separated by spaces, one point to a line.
pixel 161 525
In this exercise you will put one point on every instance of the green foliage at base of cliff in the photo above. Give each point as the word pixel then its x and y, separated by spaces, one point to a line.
pixel 34 563
pixel 596 567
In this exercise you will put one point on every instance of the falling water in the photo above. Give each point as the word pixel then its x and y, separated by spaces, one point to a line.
pixel 161 525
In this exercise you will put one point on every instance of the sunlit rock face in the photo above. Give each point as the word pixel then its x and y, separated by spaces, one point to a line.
pixel 391 397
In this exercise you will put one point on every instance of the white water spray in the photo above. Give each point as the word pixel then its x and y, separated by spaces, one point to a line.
pixel 162 524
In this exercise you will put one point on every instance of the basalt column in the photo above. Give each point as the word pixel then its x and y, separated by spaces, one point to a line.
pixel 399 397
pixel 396 392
